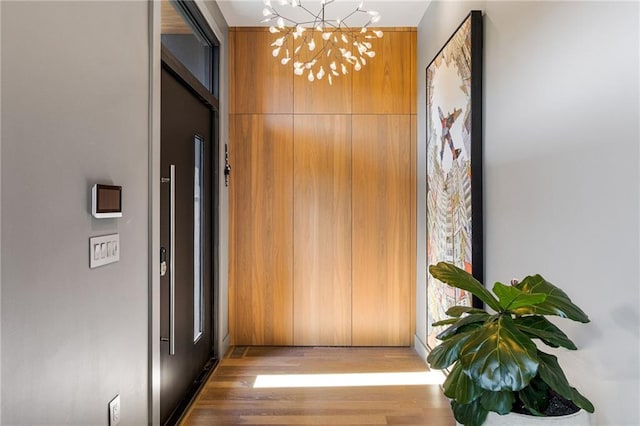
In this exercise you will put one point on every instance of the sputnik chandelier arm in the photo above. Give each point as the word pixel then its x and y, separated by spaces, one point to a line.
pixel 321 46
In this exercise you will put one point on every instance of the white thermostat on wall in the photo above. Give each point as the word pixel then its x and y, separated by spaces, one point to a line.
pixel 106 201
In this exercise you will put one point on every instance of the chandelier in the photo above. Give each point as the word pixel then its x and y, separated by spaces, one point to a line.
pixel 318 46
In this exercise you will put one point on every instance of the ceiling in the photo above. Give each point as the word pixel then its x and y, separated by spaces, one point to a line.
pixel 394 13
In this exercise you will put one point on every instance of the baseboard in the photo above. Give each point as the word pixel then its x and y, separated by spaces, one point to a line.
pixel 420 348
pixel 224 346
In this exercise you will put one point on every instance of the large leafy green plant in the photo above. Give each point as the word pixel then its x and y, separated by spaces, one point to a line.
pixel 494 360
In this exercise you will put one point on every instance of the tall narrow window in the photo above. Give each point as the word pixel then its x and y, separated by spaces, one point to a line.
pixel 198 239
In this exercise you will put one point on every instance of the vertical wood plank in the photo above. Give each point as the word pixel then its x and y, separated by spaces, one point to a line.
pixel 263 84
pixel 322 230
pixel 414 71
pixel 232 231
pixel 232 70
pixel 232 204
pixel 383 86
pixel 263 229
pixel 320 97
pixel 381 155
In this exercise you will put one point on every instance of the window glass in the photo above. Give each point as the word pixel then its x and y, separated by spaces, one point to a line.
pixel 186 42
pixel 198 240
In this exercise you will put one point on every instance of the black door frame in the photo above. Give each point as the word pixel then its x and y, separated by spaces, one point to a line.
pixel 208 21
pixel 172 65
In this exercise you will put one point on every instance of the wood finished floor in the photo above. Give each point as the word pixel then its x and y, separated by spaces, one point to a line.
pixel 229 397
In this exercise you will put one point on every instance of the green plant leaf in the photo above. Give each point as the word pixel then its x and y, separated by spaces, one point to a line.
pixel 469 414
pixel 582 401
pixel 535 397
pixel 500 357
pixel 557 302
pixel 543 329
pixel 460 387
pixel 552 374
pixel 456 277
pixel 447 352
pixel 499 402
pixel 447 321
pixel 512 298
pixel 469 319
pixel 457 311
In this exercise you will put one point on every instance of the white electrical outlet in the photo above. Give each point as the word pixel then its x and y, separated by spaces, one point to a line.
pixel 114 411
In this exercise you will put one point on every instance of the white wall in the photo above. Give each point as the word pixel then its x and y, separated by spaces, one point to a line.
pixel 75 79
pixel 561 147
pixel 0 212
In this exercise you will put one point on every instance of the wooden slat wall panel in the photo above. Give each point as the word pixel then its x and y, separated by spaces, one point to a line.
pixel 262 83
pixel 232 71
pixel 263 194
pixel 232 183
pixel 322 230
pixel 414 66
pixel 383 86
pixel 232 231
pixel 264 308
pixel 381 155
pixel 320 97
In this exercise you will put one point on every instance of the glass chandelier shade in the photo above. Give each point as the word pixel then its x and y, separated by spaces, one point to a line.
pixel 319 47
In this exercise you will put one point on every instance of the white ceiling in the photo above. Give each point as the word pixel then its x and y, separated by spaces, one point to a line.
pixel 394 13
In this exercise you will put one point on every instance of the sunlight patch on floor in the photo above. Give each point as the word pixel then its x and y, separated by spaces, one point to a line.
pixel 348 380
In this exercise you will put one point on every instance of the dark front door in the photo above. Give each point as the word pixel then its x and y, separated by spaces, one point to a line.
pixel 186 239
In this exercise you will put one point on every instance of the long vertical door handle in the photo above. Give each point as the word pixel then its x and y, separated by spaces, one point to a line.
pixel 172 262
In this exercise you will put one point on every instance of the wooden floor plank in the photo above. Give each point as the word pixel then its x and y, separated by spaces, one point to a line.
pixel 229 396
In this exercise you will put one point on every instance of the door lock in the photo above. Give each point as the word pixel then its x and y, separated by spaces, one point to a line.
pixel 227 166
pixel 163 261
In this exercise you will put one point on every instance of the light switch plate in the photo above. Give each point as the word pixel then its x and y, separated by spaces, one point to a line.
pixel 104 250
